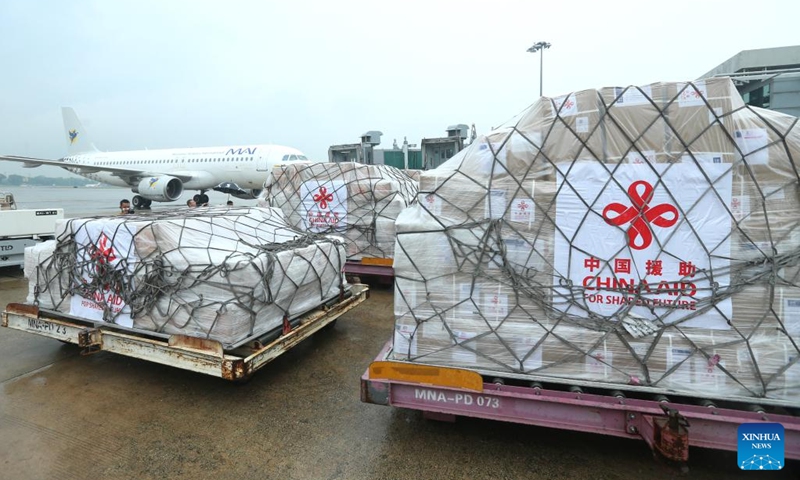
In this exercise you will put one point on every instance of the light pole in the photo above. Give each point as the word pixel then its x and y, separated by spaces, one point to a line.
pixel 535 48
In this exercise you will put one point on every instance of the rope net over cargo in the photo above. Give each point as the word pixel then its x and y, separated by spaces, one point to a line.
pixel 227 274
pixel 645 236
pixel 359 202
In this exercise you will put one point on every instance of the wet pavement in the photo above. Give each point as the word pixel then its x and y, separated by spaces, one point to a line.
pixel 67 416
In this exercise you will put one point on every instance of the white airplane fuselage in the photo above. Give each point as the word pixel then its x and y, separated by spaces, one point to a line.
pixel 163 175
pixel 247 166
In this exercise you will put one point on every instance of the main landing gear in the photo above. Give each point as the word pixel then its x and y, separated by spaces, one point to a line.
pixel 141 203
pixel 201 198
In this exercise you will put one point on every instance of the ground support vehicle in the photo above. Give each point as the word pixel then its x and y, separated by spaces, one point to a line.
pixel 23 228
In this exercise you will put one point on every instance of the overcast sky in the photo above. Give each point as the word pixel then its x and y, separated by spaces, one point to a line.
pixel 308 74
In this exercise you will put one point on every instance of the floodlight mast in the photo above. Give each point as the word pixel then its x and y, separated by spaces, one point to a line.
pixel 540 46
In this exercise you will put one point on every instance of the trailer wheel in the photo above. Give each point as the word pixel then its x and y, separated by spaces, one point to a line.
pixel 329 327
pixel 681 469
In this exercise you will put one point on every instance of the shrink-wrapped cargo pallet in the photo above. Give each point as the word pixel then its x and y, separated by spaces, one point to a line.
pixel 359 202
pixel 226 274
pixel 641 237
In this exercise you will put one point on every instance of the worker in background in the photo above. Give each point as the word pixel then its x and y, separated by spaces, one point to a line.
pixel 125 207
pixel 191 203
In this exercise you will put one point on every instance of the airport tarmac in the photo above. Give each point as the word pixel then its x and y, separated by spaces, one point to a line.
pixel 67 416
pixel 103 200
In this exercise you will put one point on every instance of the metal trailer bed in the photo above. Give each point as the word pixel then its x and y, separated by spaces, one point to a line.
pixel 668 427
pixel 378 267
pixel 189 353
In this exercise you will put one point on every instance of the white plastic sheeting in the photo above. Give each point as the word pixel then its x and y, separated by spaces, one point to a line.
pixel 673 206
pixel 359 202
pixel 221 273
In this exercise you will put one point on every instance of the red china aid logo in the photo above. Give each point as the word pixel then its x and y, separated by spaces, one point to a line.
pixel 640 215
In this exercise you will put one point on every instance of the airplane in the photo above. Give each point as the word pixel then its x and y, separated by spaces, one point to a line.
pixel 163 175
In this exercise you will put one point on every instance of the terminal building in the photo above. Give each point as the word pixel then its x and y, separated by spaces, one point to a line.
pixel 766 78
pixel 430 153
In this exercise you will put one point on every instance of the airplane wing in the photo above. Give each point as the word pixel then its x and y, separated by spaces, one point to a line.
pixel 130 175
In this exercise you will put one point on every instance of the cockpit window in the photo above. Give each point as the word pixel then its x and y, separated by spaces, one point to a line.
pixel 285 158
pixel 293 157
pixel 301 157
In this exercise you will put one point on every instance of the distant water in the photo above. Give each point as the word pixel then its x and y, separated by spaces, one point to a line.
pixel 91 201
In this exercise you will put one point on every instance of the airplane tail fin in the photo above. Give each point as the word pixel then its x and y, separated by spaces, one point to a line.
pixel 78 140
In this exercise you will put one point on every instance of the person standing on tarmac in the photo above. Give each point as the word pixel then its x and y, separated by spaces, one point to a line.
pixel 124 207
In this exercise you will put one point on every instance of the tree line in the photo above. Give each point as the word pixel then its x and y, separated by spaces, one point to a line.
pixel 41 180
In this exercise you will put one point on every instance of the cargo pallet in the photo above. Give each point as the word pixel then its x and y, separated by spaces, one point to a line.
pixel 181 351
pixel 370 266
pixel 668 428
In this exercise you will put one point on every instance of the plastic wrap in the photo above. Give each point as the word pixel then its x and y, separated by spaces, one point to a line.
pixel 221 273
pixel 645 236
pixel 359 202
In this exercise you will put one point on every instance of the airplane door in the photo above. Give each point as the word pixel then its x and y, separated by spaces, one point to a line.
pixel 261 161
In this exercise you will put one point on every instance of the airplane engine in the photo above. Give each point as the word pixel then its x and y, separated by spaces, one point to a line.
pixel 250 195
pixel 160 189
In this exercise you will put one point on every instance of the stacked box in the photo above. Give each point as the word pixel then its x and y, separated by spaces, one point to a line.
pixel 672 206
pixel 48 279
pixel 227 274
pixel 359 202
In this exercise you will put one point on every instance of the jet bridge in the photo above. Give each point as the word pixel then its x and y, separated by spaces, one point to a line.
pixel 362 152
pixel 436 151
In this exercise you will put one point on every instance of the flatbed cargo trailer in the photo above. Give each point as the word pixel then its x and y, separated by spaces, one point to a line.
pixel 189 353
pixel 669 425
pixel 378 267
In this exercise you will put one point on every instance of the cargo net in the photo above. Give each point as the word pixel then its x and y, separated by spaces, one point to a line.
pixel 638 237
pixel 359 202
pixel 227 274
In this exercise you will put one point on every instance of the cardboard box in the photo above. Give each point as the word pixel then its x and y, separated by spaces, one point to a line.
pixel 498 295
pixel 203 274
pixel 357 201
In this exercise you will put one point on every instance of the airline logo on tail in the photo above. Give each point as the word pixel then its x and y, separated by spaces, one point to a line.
pixel 73 134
